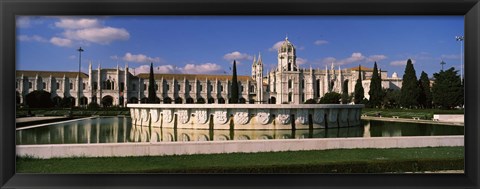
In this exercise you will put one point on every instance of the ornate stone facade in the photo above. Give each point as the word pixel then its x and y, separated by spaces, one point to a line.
pixel 286 84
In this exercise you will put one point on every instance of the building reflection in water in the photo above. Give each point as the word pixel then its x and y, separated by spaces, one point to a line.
pixel 122 130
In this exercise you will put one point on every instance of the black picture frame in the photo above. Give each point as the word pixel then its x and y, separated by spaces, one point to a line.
pixel 10 8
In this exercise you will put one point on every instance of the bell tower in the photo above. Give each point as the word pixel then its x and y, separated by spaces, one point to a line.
pixel 287 57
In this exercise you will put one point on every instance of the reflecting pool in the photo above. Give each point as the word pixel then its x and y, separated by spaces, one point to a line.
pixel 121 130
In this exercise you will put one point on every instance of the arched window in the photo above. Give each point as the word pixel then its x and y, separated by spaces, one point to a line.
pixel 95 85
pixel 290 97
pixel 221 100
pixel 109 85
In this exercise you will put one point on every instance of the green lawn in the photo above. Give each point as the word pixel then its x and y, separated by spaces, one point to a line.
pixel 327 161
pixel 404 113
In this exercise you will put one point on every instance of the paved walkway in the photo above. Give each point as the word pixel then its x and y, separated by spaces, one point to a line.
pixel 411 120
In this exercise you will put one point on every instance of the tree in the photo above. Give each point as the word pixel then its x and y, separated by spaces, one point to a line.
pixel 234 95
pixel 151 86
pixel 359 92
pixel 330 98
pixel 391 98
pixel 425 97
pixel 376 93
pixel 410 90
pixel 447 89
pixel 344 96
pixel 39 99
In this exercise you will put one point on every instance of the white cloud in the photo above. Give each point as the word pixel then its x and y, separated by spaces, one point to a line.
pixel 376 58
pixel 31 38
pixel 207 68
pixel 320 42
pixel 355 57
pixel 23 22
pixel 301 61
pixel 62 42
pixel 400 62
pixel 102 36
pixel 140 58
pixel 237 56
pixel 202 68
pixel 72 23
pixel 276 46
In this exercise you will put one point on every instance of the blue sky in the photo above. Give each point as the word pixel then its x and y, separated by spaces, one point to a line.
pixel 208 44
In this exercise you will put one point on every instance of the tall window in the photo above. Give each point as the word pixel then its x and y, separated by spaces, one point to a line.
pixel 122 86
pixel 303 84
pixel 84 86
pixel 290 97
pixel 144 86
pixel 44 86
pixel 71 86
pixel 58 85
pixel 221 88
pixel 30 85
pixel 167 87
pixel 289 83
pixel 95 85
pixel 200 87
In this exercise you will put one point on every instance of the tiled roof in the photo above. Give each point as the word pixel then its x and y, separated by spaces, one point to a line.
pixel 45 74
pixel 193 76
pixel 362 67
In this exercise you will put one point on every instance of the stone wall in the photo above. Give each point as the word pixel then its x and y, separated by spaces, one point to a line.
pixel 216 147
pixel 245 116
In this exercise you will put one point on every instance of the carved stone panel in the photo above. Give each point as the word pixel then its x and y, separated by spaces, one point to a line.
pixel 167 116
pixel 343 115
pixel 202 116
pixel 318 116
pixel 144 114
pixel 284 116
pixel 302 116
pixel 183 115
pixel 332 115
pixel 220 116
pixel 155 115
pixel 263 116
pixel 137 114
pixel 241 116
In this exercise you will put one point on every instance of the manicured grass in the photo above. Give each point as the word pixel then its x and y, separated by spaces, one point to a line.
pixel 409 113
pixel 327 161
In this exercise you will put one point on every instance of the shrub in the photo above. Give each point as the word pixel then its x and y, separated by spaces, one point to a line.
pixel 330 98
pixel 93 106
pixel 310 101
pixel 39 99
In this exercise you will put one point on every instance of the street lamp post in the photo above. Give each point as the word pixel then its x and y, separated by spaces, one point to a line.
pixel 461 38
pixel 80 50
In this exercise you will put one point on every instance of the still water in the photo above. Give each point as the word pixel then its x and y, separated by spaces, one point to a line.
pixel 121 130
